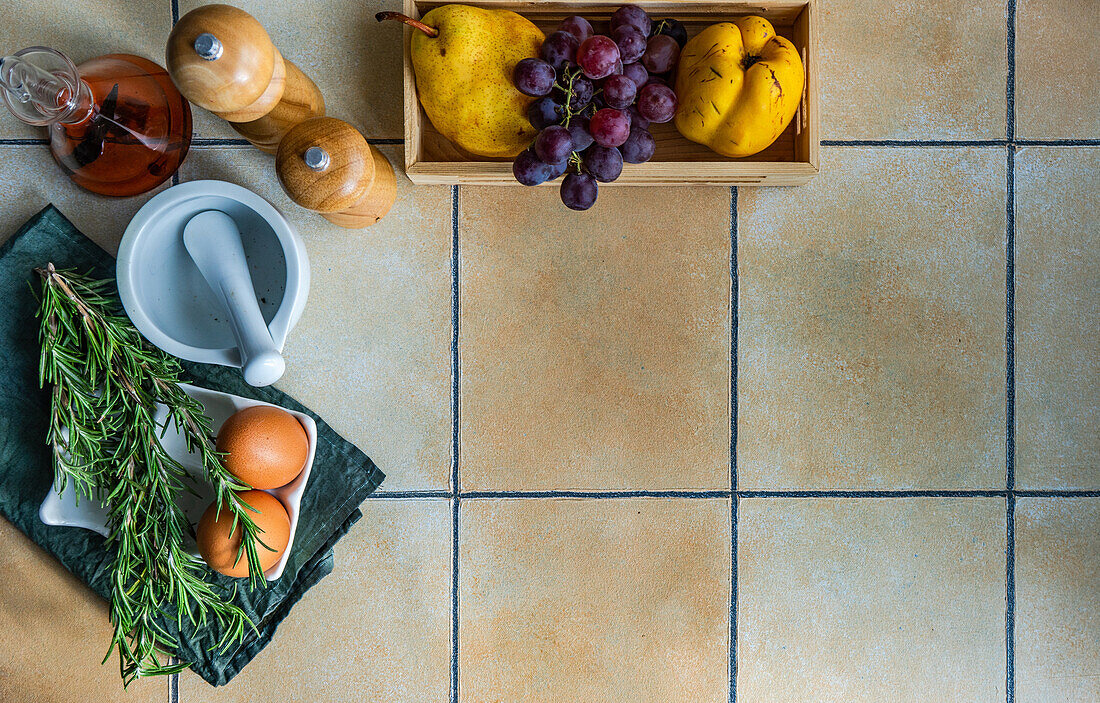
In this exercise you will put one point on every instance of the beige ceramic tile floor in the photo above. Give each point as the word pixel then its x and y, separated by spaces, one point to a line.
pixel 827 443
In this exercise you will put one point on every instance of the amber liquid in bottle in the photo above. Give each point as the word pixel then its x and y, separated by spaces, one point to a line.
pixel 136 133
pixel 117 124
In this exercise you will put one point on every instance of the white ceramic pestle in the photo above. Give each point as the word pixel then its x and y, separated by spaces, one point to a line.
pixel 214 243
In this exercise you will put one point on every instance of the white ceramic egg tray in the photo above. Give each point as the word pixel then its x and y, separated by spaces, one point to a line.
pixel 62 509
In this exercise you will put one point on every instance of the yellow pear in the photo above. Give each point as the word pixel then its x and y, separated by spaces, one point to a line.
pixel 739 85
pixel 463 58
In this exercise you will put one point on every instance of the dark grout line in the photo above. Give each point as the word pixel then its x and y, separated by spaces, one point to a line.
pixel 24 142
pixel 1057 493
pixel 932 493
pixel 175 12
pixel 220 144
pixel 1010 82
pixel 223 141
pixel 753 494
pixel 914 142
pixel 219 141
pixel 1010 358
pixel 1010 600
pixel 1010 322
pixel 401 495
pixel 455 409
pixel 733 599
pixel 593 494
pixel 734 296
pixel 176 178
pixel 708 495
pixel 1057 142
pixel 173 683
pixel 454 599
pixel 455 369
pixel 735 284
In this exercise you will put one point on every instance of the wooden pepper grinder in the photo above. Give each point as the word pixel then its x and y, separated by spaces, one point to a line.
pixel 222 60
pixel 326 165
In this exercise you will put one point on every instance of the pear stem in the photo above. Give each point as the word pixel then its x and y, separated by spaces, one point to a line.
pixel 430 31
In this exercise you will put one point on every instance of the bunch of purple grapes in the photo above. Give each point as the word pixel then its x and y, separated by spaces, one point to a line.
pixel 597 95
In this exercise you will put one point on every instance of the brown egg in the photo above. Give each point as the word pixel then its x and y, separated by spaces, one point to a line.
pixel 266 446
pixel 219 548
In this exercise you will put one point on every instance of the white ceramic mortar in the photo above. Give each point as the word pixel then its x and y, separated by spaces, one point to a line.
pixel 167 298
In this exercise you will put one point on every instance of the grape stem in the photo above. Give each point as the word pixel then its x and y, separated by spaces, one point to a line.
pixel 570 113
pixel 577 163
pixel 430 31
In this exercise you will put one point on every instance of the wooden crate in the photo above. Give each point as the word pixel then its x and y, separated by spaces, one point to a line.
pixel 430 158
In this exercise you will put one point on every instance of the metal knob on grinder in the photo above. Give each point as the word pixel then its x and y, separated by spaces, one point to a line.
pixel 222 59
pixel 325 164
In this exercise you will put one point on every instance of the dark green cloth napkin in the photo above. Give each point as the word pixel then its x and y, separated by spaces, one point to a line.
pixel 342 475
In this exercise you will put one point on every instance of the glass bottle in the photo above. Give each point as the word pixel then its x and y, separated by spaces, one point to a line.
pixel 117 124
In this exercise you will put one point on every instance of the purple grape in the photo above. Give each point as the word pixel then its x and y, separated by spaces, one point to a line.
pixel 618 68
pixel 661 54
pixel 609 127
pixel 545 111
pixel 559 48
pixel 638 147
pixel 578 191
pixel 630 41
pixel 533 77
pixel 597 56
pixel 619 92
pixel 633 16
pixel 529 170
pixel 579 27
pixel 558 169
pixel 553 144
pixel 636 119
pixel 604 163
pixel 583 89
pixel 656 103
pixel 656 80
pixel 637 73
pixel 578 130
pixel 672 28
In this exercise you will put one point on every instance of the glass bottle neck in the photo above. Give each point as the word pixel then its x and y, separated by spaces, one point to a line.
pixel 42 87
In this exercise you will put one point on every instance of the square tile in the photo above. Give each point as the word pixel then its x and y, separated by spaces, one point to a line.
pixel 605 600
pixel 1057 75
pixel 82 30
pixel 378 628
pixel 372 352
pixel 871 324
pixel 54 632
pixel 594 346
pixel 1058 600
pixel 354 60
pixel 30 180
pixel 1058 318
pixel 920 69
pixel 870 600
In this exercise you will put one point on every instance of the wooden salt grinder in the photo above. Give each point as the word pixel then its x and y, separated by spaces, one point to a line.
pixel 222 60
pixel 326 165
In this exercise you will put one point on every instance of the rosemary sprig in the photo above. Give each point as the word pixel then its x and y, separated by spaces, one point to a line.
pixel 105 382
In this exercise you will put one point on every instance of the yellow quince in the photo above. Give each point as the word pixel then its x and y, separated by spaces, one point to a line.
pixel 738 85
